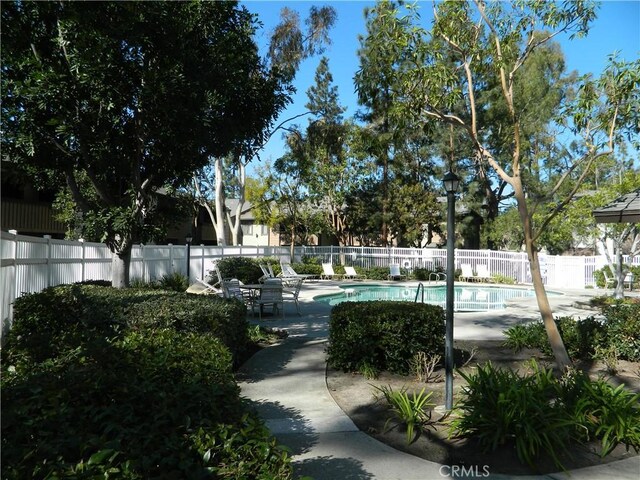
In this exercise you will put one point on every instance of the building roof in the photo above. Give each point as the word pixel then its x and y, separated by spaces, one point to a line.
pixel 625 209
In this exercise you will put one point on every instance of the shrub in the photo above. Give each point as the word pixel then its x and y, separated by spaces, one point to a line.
pixel 585 338
pixel 224 318
pixel 378 273
pixel 499 406
pixel 174 281
pixel 56 319
pixel 245 269
pixel 307 268
pixel 623 330
pixel 540 413
pixel 101 382
pixel 141 406
pixel 383 335
pixel 411 411
pixel 580 337
pixel 610 414
pixel 503 279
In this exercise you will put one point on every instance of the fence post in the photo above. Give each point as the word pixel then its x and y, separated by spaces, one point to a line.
pixel 144 265
pixel 48 260
pixel 15 272
pixel 84 256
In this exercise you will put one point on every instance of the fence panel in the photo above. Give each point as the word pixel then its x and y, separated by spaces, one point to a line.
pixel 31 264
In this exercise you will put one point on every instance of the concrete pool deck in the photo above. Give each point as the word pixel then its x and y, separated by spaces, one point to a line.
pixel 287 385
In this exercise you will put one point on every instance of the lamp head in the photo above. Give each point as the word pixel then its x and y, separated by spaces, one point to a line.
pixel 451 182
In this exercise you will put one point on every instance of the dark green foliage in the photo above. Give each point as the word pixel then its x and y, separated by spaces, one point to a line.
pixel 379 273
pixel 245 269
pixel 620 332
pixel 383 335
pixel 308 268
pixel 608 413
pixel 499 406
pixel 225 319
pixel 540 413
pixel 100 382
pixel 174 281
pixel 623 329
pixel 421 273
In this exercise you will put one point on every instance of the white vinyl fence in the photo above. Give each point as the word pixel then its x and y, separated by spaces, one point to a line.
pixel 30 264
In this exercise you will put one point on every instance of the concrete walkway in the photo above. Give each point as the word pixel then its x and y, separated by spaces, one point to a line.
pixel 287 385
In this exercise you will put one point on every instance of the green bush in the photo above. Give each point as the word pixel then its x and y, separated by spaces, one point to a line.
pixel 100 382
pixel 503 279
pixel 598 275
pixel 499 406
pixel 623 330
pixel 610 414
pixel 620 332
pixel 174 281
pixel 378 273
pixel 142 406
pixel 245 269
pixel 307 268
pixel 224 318
pixel 580 337
pixel 383 335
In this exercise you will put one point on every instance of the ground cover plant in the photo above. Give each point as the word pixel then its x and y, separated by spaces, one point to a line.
pixel 588 338
pixel 539 412
pixel 95 383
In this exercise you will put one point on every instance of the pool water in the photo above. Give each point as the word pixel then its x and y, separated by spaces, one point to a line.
pixel 466 298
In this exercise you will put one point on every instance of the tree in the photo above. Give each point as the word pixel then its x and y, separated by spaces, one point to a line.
pixel 497 40
pixel 613 238
pixel 120 99
pixel 289 45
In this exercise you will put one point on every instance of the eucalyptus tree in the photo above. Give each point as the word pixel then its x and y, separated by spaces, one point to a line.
pixel 120 99
pixel 497 40
pixel 290 43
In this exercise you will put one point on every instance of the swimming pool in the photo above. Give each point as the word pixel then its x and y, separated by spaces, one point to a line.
pixel 466 298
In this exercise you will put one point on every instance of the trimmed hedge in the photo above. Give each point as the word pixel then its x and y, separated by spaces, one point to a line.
pixel 383 335
pixel 58 318
pixel 132 384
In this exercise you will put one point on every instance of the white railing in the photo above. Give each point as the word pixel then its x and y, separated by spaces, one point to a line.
pixel 30 264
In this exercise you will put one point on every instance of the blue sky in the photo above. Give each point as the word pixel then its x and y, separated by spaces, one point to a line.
pixel 616 28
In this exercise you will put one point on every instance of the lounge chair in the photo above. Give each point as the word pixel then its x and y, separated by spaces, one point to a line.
pixel 203 288
pixel 328 273
pixel 265 273
pixel 467 273
pixel 288 271
pixel 483 274
pixel 350 272
pixel 394 272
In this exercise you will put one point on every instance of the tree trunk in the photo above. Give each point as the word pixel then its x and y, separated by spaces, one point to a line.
pixel 220 206
pixel 557 345
pixel 235 226
pixel 120 262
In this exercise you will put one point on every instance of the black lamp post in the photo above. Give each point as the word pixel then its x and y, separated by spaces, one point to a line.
pixel 451 182
pixel 188 239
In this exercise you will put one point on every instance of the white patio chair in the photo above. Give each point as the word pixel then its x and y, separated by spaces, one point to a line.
pixel 482 273
pixel 292 287
pixel 203 288
pixel 328 273
pixel 467 273
pixel 288 271
pixel 271 294
pixel 394 272
pixel 350 272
